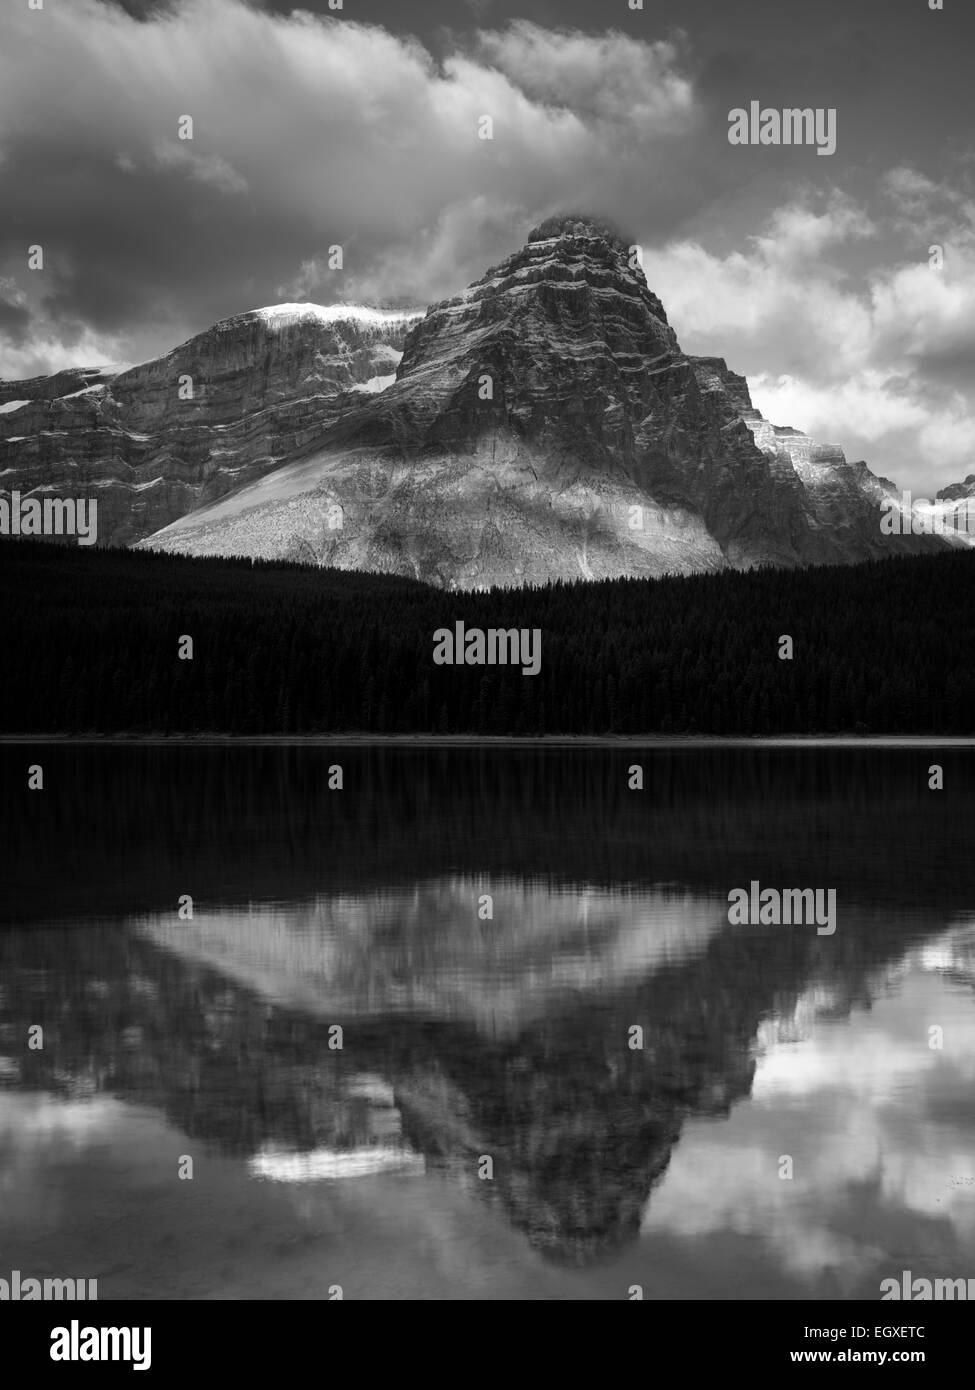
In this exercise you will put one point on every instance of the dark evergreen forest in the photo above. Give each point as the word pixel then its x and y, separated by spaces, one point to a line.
pixel 90 640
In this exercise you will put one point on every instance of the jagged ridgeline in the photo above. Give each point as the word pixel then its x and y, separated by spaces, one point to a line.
pixel 543 424
pixel 233 403
pixel 283 649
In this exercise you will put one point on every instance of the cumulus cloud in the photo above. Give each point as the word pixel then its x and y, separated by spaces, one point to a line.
pixel 853 1087
pixel 878 360
pixel 926 206
pixel 209 169
pixel 926 318
pixel 15 316
pixel 609 76
pixel 46 349
pixel 311 131
pixel 308 131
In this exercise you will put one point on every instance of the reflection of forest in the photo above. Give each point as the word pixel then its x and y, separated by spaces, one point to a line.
pixel 579 1126
pixel 127 829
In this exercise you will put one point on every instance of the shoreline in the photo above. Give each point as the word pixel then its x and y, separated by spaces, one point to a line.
pixel 658 741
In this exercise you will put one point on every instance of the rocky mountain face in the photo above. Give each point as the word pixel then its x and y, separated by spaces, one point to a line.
pixel 954 507
pixel 958 492
pixel 839 500
pixel 545 424
pixel 160 439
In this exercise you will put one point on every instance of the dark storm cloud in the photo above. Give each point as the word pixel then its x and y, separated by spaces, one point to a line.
pixel 141 9
pixel 14 321
pixel 313 129
pixel 310 133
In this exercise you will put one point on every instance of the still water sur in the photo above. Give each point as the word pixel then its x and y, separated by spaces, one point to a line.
pixel 357 917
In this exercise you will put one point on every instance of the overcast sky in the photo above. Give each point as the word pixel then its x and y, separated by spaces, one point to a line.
pixel 313 127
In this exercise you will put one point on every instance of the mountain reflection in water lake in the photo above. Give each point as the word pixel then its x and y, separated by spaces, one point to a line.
pixel 357 917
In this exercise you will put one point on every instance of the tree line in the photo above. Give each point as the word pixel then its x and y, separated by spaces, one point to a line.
pixel 90 643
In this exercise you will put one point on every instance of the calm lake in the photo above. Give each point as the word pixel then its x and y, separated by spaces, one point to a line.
pixel 476 1024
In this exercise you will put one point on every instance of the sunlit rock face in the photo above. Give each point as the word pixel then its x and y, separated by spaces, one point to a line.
pixel 958 492
pixel 953 512
pixel 545 424
pixel 839 502
pixel 157 440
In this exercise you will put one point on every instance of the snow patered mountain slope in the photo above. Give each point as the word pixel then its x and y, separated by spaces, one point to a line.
pixel 362 314
pixel 546 424
pixel 264 384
